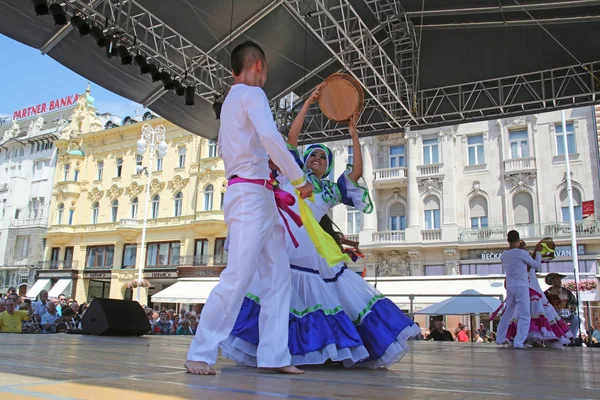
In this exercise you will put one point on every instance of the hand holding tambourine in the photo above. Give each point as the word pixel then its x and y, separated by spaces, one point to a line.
pixel 341 97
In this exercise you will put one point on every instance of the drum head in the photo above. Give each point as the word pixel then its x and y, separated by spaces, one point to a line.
pixel 341 97
pixel 549 242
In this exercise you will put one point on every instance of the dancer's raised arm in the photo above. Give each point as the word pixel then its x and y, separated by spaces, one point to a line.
pixel 296 127
pixel 357 161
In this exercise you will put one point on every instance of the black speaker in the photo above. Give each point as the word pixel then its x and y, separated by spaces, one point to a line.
pixel 109 317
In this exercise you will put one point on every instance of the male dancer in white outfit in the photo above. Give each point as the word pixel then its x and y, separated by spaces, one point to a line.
pixel 247 137
pixel 515 262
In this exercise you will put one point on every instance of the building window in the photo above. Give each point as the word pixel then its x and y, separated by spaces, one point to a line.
pixel 100 169
pixel 38 168
pixel 519 144
pixel 434 270
pixel 212 149
pixel 76 175
pixel 60 213
pixel 353 221
pixel 178 204
pixel 201 252
pixel 181 151
pixel 220 256
pixel 560 144
pixel 430 152
pixel 95 211
pixel 119 167
pixel 71 214
pixel 564 205
pixel 208 197
pixel 397 156
pixel 397 217
pixel 478 212
pixel 138 160
pixel 22 246
pixel 155 205
pixel 3 208
pixel 100 256
pixel 523 208
pixel 159 162
pixel 129 255
pixel 163 254
pixel 66 170
pixel 134 207
pixel 475 149
pixel 350 155
pixel 114 210
pixel 68 259
pixel 432 212
pixel 222 201
pixel 17 213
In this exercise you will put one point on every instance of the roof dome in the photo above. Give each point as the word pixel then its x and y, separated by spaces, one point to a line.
pixel 76 152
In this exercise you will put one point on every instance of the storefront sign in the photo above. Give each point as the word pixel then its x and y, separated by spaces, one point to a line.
pixel 96 275
pixel 587 208
pixel 560 251
pixel 46 107
pixel 161 275
pixel 53 274
pixel 200 272
pixel 491 256
pixel 566 251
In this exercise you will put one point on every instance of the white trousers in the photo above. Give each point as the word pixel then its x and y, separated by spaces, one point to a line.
pixel 517 298
pixel 256 243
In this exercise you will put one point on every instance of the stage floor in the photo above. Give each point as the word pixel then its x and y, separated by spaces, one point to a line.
pixel 65 367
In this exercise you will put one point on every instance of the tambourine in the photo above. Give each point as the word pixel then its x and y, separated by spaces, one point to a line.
pixel 341 97
pixel 548 247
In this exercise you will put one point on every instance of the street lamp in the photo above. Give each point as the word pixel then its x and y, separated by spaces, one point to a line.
pixel 155 139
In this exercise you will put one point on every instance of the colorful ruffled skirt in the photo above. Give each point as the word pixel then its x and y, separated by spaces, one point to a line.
pixel 334 315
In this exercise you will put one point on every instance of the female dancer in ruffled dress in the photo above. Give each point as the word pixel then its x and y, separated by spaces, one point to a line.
pixel 546 327
pixel 335 314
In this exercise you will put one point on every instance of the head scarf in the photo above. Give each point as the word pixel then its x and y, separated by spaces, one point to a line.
pixel 328 154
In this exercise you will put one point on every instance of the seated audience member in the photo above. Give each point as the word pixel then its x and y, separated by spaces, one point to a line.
pixel 49 319
pixel 193 322
pixel 184 328
pixel 439 334
pixel 595 336
pixel 40 307
pixel 29 325
pixel 163 326
pixel 461 335
pixel 11 320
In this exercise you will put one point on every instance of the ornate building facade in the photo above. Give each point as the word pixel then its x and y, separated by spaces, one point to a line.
pixel 93 243
pixel 445 199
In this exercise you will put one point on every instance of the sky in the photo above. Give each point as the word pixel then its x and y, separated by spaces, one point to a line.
pixel 31 78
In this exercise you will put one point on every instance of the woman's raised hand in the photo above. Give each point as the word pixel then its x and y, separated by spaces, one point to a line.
pixel 352 125
pixel 314 96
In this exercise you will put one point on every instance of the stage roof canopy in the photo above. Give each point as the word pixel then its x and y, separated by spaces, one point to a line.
pixel 422 63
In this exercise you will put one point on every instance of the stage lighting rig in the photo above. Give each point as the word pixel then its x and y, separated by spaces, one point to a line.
pixel 58 13
pixel 124 55
pixel 190 95
pixel 80 25
pixel 179 88
pixel 40 7
pixel 98 35
pixel 165 78
pixel 141 63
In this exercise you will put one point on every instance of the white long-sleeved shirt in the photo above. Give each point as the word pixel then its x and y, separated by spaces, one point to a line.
pixel 248 136
pixel 515 262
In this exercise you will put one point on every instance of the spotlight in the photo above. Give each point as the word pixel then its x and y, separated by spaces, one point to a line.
pixel 78 23
pixel 58 13
pixel 98 35
pixel 155 73
pixel 124 55
pixel 141 63
pixel 190 95
pixel 40 7
pixel 179 89
pixel 217 105
pixel 166 80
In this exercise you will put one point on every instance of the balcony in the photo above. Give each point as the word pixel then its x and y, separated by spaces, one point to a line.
pixel 28 223
pixel 70 188
pixel 56 264
pixel 430 169
pixel 129 229
pixel 214 163
pixel 555 230
pixel 389 237
pixel 519 164
pixel 431 235
pixel 386 178
pixel 210 222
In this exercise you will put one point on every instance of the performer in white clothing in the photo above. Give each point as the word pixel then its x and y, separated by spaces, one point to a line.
pixel 515 262
pixel 247 137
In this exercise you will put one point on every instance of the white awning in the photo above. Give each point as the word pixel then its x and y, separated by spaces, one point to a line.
pixel 183 291
pixel 59 287
pixel 37 287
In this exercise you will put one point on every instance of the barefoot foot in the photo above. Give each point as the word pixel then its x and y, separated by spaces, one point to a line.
pixel 290 369
pixel 199 368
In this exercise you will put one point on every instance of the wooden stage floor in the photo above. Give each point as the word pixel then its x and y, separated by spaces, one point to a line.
pixel 65 367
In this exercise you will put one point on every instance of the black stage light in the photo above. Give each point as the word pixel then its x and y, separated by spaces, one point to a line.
pixel 98 35
pixel 141 63
pixel 166 80
pixel 58 13
pixel 40 7
pixel 78 23
pixel 155 73
pixel 190 95
pixel 124 55
pixel 179 89
pixel 217 105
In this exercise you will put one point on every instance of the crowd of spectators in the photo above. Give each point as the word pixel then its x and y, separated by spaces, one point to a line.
pixel 169 322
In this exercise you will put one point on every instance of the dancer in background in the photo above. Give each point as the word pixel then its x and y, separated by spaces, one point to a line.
pixel 335 314
pixel 545 327
pixel 515 262
pixel 257 239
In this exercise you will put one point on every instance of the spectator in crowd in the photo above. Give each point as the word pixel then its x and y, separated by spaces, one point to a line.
pixel 563 301
pixel 70 300
pixel 193 322
pixel 69 318
pixel 82 308
pixel 176 321
pixel 11 320
pixel 419 336
pixel 595 337
pixel 171 313
pixel 49 319
pixel 461 336
pixel 198 309
pixel 29 325
pixel 40 307
pixel 11 290
pixel 2 308
pixel 482 332
pixel 164 326
pixel 184 328
pixel 16 298
pixel 439 334
pixel 57 305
